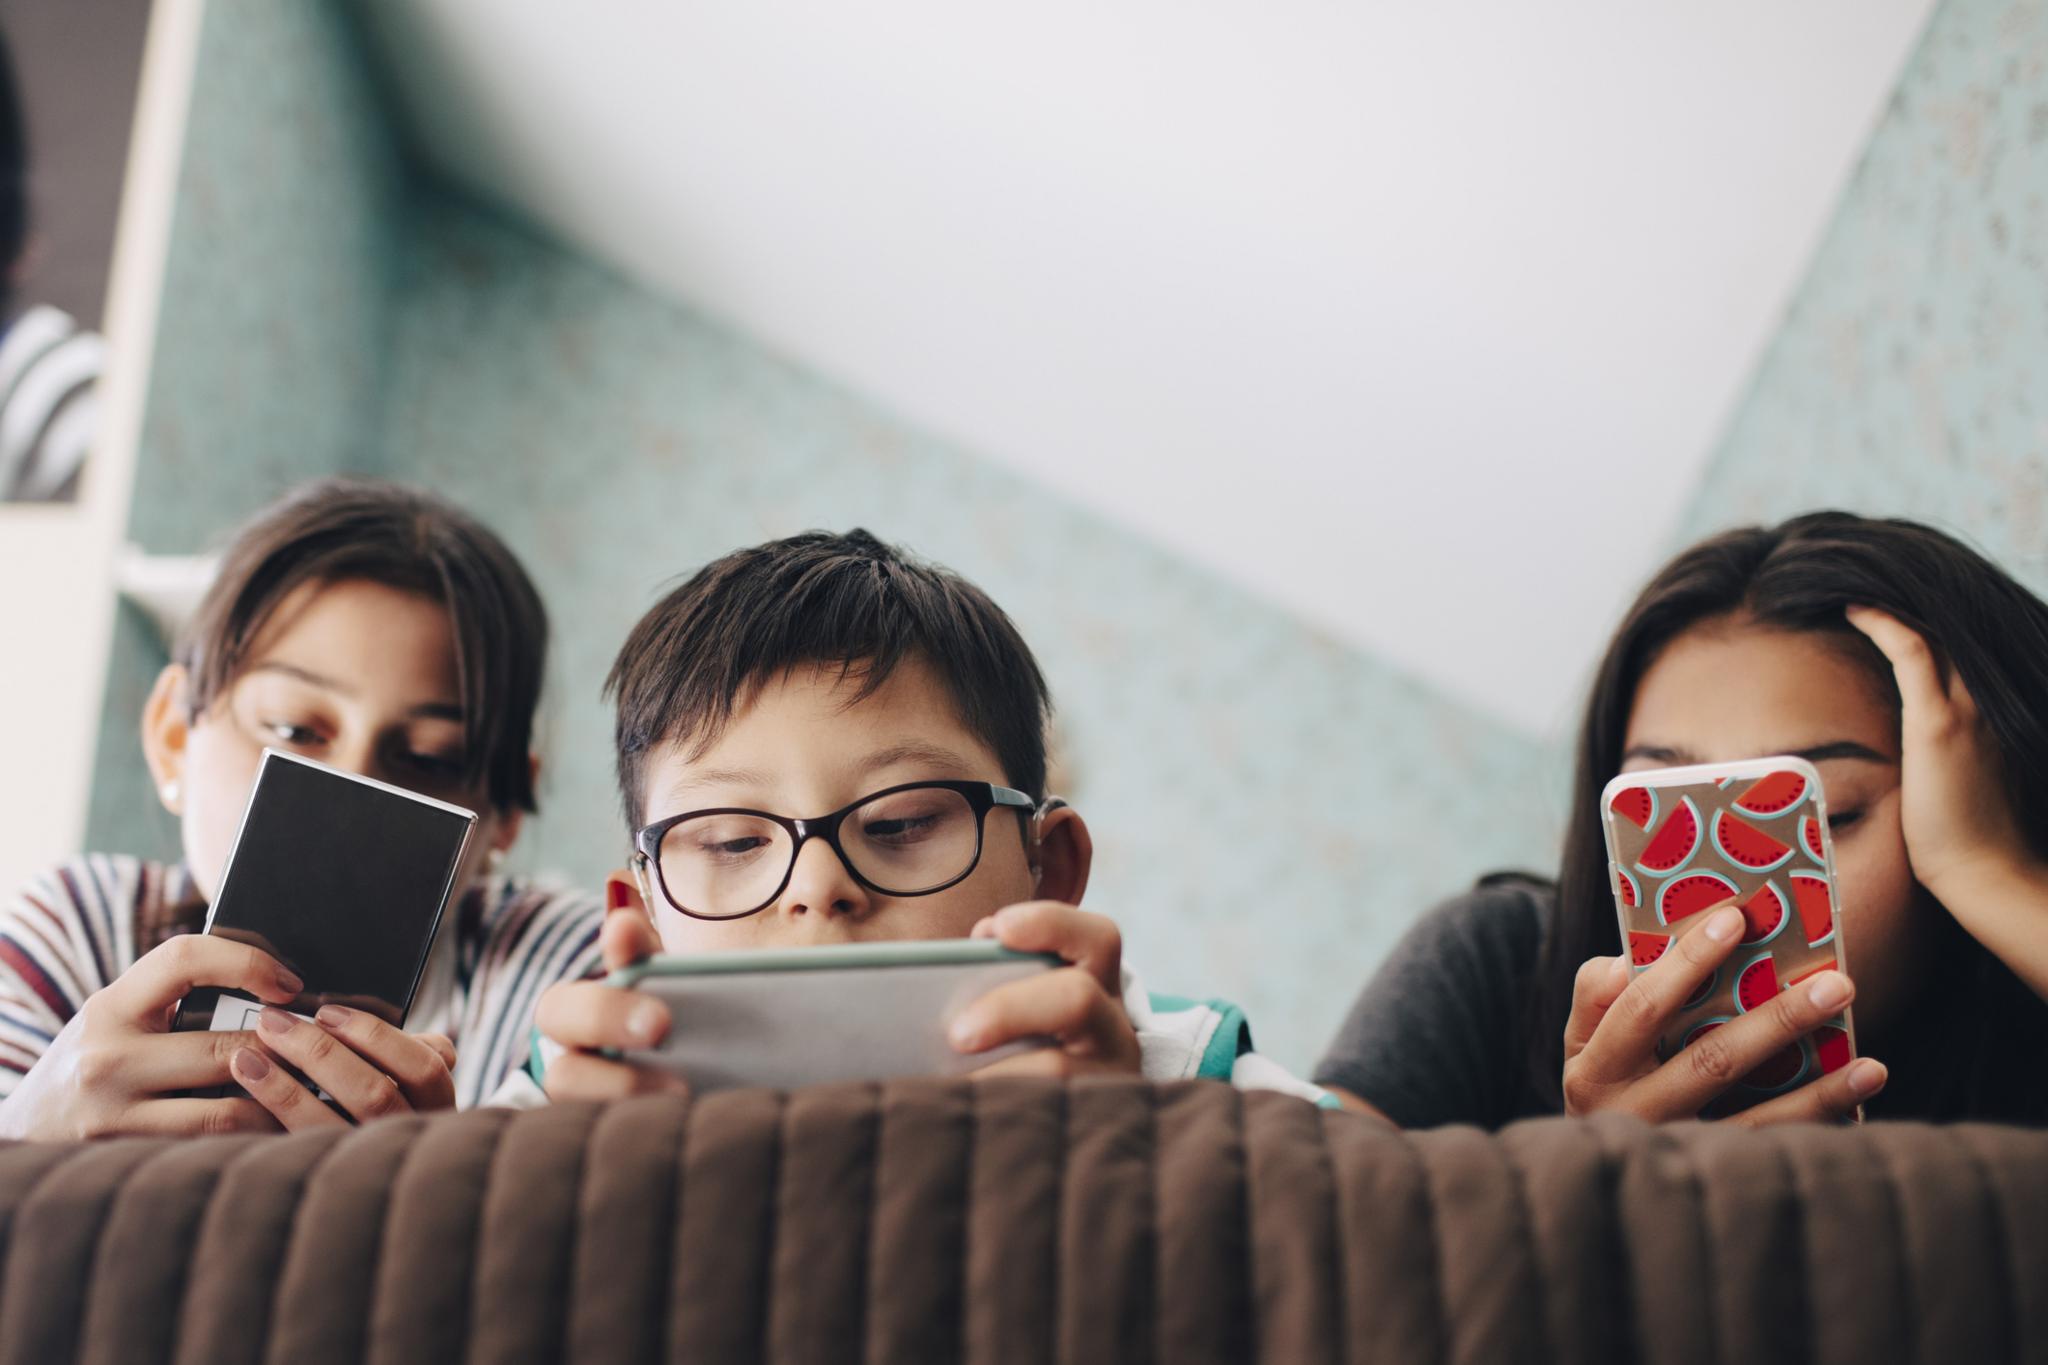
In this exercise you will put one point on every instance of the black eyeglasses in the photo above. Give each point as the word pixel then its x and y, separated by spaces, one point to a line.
pixel 912 840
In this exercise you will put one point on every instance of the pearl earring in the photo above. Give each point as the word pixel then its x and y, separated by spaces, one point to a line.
pixel 170 792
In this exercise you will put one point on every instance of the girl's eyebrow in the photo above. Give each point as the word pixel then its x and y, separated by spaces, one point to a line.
pixel 1843 748
pixel 304 675
pixel 1816 753
pixel 431 710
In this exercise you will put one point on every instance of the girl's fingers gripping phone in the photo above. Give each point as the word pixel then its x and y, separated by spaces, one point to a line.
pixel 422 1064
pixel 1716 1059
pixel 1830 1099
pixel 1600 982
pixel 1623 1045
pixel 1628 1034
pixel 294 1107
pixel 183 963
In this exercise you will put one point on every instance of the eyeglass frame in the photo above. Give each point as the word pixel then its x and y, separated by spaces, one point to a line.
pixel 982 797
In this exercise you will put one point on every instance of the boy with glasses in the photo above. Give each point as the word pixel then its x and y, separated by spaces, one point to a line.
pixel 834 674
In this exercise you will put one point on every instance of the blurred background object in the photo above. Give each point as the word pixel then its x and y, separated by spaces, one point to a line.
pixel 67 97
pixel 1314 385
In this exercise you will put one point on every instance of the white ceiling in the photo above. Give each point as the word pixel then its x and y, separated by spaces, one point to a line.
pixel 1418 319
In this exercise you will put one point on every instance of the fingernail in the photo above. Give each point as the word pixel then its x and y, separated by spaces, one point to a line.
pixel 614 895
pixel 333 1016
pixel 1866 1077
pixel 274 1021
pixel 966 1037
pixel 1829 991
pixel 1723 925
pixel 250 1064
pixel 645 1022
pixel 289 982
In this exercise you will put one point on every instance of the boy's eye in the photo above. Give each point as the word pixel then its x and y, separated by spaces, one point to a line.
pixel 1843 819
pixel 723 838
pixel 900 829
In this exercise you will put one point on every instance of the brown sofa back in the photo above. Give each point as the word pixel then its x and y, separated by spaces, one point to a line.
pixel 1024 1221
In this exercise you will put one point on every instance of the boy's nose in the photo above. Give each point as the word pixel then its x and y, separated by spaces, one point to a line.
pixel 820 884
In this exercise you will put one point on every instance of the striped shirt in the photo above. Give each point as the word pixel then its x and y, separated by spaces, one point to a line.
pixel 74 929
pixel 49 402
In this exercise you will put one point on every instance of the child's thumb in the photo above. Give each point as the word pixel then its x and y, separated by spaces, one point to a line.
pixel 625 939
pixel 628 934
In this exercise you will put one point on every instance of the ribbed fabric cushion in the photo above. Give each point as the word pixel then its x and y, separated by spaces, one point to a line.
pixel 1025 1221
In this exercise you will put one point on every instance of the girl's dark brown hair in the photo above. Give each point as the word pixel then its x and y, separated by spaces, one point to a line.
pixel 1801 576
pixel 339 530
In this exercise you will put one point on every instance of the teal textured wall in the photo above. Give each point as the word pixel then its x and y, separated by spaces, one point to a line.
pixel 290 204
pixel 1911 374
pixel 1270 808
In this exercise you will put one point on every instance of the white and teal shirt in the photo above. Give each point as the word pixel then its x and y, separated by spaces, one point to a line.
pixel 1181 1039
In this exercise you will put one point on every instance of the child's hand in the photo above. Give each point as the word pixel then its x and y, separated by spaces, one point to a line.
pixel 587 1017
pixel 369 1068
pixel 1079 1006
pixel 1610 1041
pixel 117 1068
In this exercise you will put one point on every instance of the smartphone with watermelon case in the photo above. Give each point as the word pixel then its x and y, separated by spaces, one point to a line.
pixel 1683 840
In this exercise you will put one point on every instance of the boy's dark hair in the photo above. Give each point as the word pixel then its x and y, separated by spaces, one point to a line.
pixel 340 530
pixel 819 598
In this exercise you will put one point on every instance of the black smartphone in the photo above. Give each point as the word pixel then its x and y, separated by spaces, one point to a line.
pixel 342 879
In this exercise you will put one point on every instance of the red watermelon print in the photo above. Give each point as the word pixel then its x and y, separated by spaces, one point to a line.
pixel 1644 948
pixel 1758 984
pixel 1816 907
pixel 1772 795
pixel 1809 838
pixel 1747 846
pixel 1625 889
pixel 1692 893
pixel 1764 913
pixel 1831 1046
pixel 1637 805
pixel 1674 843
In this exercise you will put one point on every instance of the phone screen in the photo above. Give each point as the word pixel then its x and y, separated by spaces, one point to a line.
pixel 340 878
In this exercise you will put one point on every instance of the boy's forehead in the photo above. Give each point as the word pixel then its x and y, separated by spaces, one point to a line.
pixel 810 729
